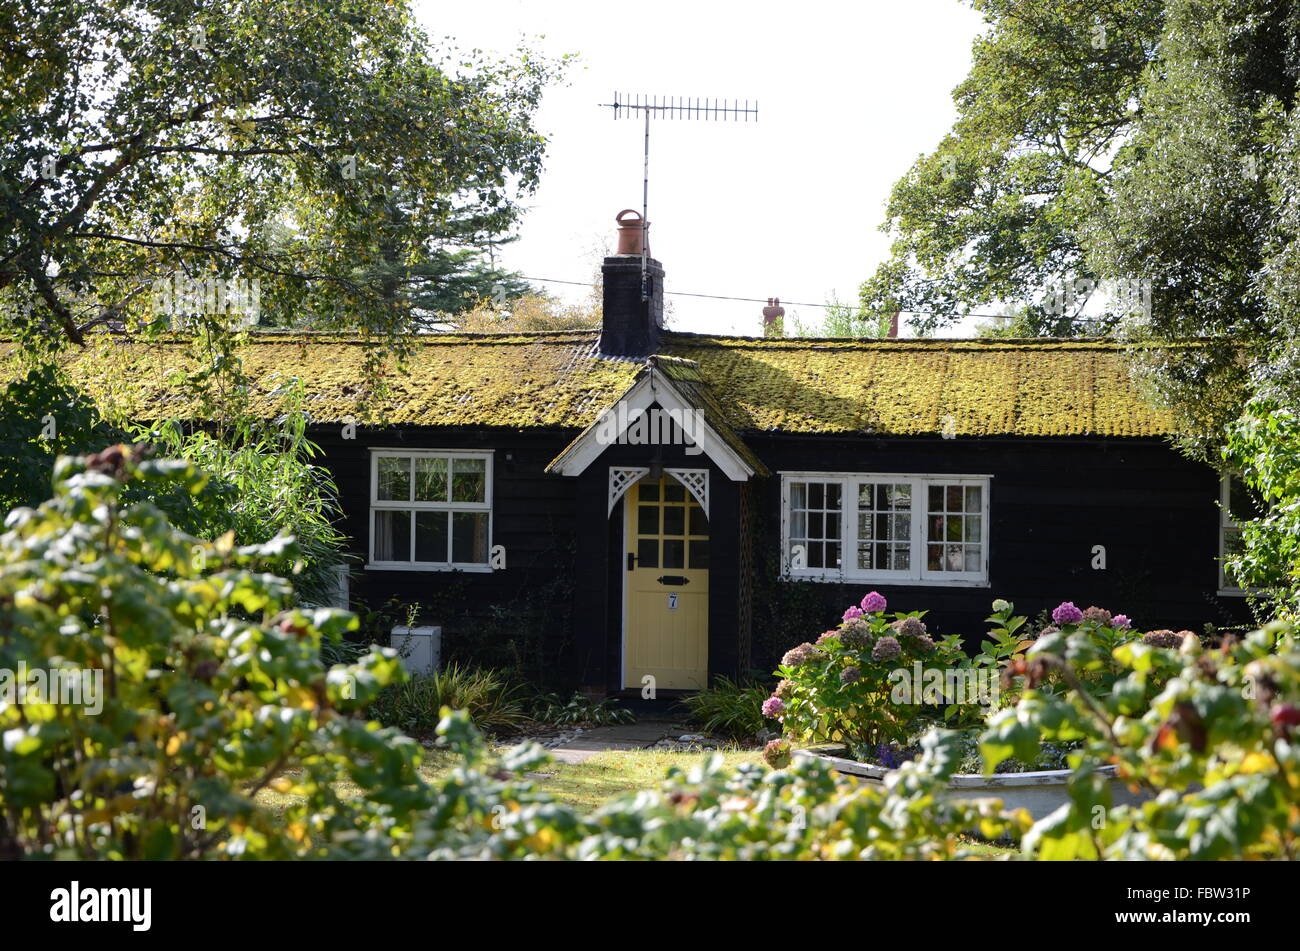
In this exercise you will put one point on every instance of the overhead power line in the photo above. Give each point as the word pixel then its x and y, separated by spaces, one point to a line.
pixel 763 300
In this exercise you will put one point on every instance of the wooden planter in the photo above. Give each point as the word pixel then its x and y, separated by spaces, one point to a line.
pixel 1040 793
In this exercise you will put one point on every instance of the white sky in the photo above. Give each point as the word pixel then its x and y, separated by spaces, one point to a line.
pixel 850 93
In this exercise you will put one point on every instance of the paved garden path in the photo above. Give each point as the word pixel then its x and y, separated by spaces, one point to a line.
pixel 630 736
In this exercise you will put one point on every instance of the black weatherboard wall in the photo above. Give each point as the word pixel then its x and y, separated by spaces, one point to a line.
pixel 1050 502
pixel 533 517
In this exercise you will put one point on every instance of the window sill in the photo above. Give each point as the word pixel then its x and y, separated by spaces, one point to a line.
pixel 892 582
pixel 407 566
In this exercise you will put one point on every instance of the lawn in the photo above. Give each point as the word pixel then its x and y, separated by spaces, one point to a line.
pixel 584 785
pixel 608 775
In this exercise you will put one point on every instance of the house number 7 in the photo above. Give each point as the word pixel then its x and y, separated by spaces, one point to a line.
pixel 672 602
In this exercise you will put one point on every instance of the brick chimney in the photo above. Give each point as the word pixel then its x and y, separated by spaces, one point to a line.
pixel 631 322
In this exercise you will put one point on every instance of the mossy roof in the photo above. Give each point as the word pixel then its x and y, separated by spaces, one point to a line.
pixel 558 379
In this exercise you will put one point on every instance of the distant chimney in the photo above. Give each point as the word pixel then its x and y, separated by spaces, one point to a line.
pixel 631 321
pixel 893 324
pixel 774 318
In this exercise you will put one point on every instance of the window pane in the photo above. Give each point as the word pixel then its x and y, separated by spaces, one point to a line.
pixel 798 495
pixel 833 496
pixel 649 491
pixel 430 480
pixel 816 555
pixel 699 524
pixel 647 519
pixel 866 556
pixel 394 478
pixel 647 553
pixel 469 481
pixel 469 537
pixel 955 560
pixel 953 527
pixel 954 496
pixel 832 554
pixel 936 498
pixel 674 491
pixel 973 558
pixel 431 536
pixel 832 525
pixel 699 552
pixel 798 525
pixel 674 520
pixel 902 527
pixel 902 558
pixel 816 495
pixel 934 557
pixel 674 553
pixel 1241 502
pixel 392 536
pixel 973 529
pixel 974 498
pixel 816 525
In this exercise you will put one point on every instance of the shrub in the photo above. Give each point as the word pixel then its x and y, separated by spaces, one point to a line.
pixel 197 688
pixel 578 710
pixel 729 709
pixel 492 703
pixel 843 687
pixel 1211 736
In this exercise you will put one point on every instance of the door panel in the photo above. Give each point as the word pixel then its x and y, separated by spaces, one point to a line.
pixel 667 567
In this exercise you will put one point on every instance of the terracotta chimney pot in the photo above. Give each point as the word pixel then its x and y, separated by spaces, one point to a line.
pixel 632 232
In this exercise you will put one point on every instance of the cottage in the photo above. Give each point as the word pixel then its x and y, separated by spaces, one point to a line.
pixel 669 492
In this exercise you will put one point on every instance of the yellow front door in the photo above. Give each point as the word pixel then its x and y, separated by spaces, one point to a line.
pixel 667 571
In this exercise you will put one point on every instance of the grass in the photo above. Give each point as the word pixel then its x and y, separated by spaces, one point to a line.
pixel 604 776
pixel 585 786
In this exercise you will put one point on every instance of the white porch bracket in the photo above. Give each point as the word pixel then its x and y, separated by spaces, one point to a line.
pixel 622 478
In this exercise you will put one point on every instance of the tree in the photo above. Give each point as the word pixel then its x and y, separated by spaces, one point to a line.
pixel 993 214
pixel 292 143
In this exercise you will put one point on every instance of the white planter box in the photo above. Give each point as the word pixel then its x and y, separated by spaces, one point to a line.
pixel 1039 793
pixel 420 647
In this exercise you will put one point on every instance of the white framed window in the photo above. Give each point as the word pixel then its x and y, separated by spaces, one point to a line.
pixel 886 527
pixel 430 509
pixel 1236 505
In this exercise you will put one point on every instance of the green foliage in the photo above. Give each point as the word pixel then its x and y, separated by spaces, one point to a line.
pixel 41 418
pixel 1211 737
pixel 1264 445
pixel 262 483
pixel 209 687
pixel 578 710
pixel 729 709
pixel 325 153
pixel 992 215
pixel 843 320
pixel 416 705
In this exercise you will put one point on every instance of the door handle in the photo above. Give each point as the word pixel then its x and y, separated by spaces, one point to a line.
pixel 631 560
pixel 673 579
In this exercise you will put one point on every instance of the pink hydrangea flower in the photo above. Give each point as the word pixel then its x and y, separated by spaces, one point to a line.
pixel 1121 622
pixel 773 707
pixel 1067 613
pixel 874 602
pixel 852 613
